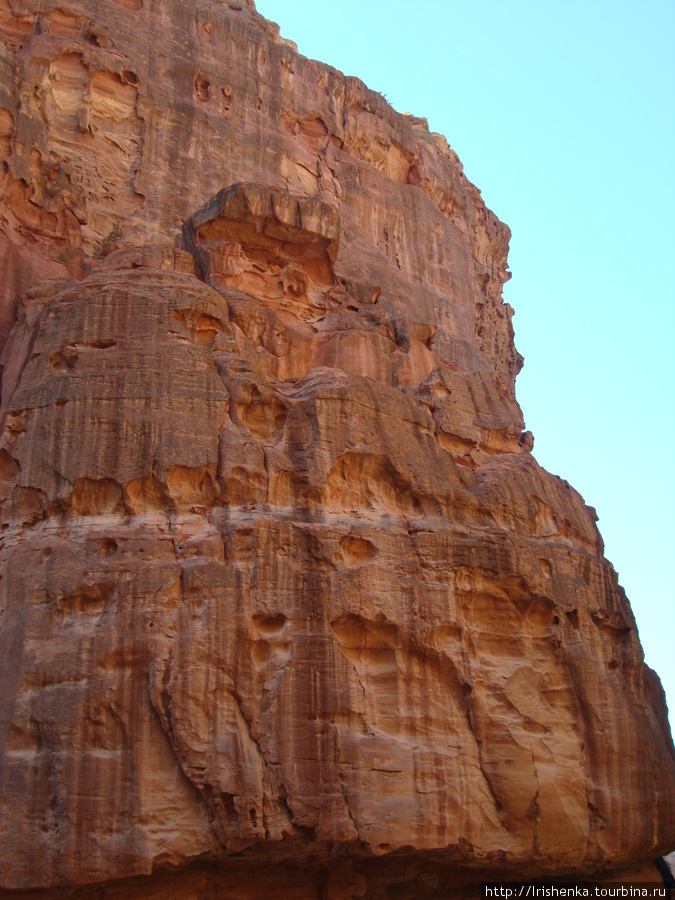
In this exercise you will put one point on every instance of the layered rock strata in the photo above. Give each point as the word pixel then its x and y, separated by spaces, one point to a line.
pixel 282 581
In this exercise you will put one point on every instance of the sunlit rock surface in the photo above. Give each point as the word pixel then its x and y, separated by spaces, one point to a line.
pixel 287 601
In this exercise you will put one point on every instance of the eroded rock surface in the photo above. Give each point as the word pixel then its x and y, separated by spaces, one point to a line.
pixel 286 598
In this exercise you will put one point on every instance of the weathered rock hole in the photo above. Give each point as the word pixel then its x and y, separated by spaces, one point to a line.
pixel 206 336
pixel 613 625
pixel 9 469
pixel 360 480
pixel 357 551
pixel 466 461
pixel 192 487
pixel 243 485
pixel 263 417
pixel 269 624
pixel 540 615
pixel 386 848
pixel 144 495
pixel 62 360
pixel 107 547
pixel 207 330
pixel 349 630
pixel 372 642
pixel 313 127
pixel 94 497
pixel 573 618
pixel 612 664
pixel 456 445
pixel 202 88
pixel 102 344
pixel 128 77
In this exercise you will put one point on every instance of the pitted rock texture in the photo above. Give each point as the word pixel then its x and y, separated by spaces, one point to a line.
pixel 110 136
pixel 286 601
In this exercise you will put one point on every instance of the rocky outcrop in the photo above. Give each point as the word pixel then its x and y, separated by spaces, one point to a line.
pixel 112 137
pixel 287 602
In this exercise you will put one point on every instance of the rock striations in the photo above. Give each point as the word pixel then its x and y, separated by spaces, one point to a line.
pixel 288 608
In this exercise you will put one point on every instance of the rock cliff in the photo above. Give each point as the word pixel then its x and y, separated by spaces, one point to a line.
pixel 288 607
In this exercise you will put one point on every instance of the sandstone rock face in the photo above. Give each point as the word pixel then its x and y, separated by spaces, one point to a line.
pixel 286 600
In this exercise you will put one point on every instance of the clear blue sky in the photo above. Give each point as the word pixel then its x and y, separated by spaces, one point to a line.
pixel 563 113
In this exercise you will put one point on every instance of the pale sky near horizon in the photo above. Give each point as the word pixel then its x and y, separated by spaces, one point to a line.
pixel 563 114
